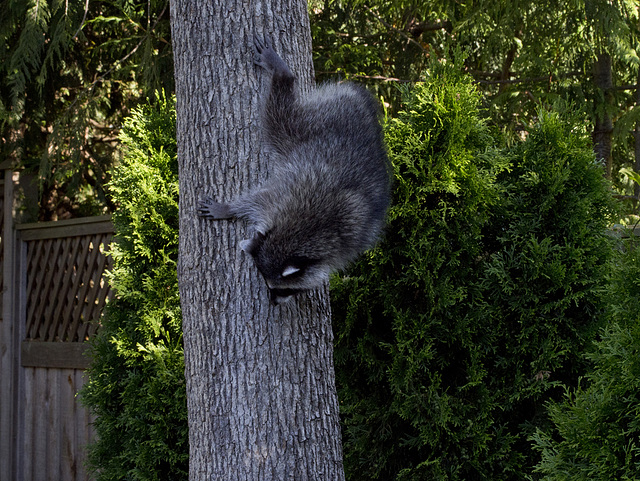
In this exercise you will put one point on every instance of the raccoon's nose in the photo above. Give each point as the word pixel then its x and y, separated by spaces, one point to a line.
pixel 280 296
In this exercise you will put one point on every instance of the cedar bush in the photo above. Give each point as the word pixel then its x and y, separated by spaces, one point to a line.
pixel 136 386
pixel 453 333
pixel 595 434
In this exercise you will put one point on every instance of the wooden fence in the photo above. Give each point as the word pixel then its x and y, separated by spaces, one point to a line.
pixel 53 292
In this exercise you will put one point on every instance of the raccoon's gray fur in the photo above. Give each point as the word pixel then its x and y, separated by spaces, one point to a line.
pixel 327 194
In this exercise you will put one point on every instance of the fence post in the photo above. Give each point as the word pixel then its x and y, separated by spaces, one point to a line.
pixel 9 328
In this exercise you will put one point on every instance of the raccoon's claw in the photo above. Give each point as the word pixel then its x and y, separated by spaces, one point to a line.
pixel 260 47
pixel 210 209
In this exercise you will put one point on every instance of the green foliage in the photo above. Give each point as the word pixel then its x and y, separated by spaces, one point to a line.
pixel 522 54
pixel 596 429
pixel 453 333
pixel 136 382
pixel 549 258
pixel 70 71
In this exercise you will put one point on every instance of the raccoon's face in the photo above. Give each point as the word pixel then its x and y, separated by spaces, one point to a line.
pixel 286 275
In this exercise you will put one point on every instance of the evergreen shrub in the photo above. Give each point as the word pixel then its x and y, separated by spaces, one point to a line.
pixel 136 386
pixel 453 333
pixel 595 435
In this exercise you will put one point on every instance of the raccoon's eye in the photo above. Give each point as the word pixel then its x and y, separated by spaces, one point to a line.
pixel 290 270
pixel 297 265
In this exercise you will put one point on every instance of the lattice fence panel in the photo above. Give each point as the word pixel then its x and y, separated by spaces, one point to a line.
pixel 66 286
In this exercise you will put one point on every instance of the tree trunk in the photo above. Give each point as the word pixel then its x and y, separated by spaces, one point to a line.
pixel 603 130
pixel 260 379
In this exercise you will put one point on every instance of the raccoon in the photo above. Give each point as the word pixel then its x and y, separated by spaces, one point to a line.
pixel 326 198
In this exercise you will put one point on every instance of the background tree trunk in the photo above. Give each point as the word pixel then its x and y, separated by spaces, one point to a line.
pixel 636 138
pixel 603 129
pixel 260 379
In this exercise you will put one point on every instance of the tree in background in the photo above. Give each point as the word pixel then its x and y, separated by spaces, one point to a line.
pixel 70 72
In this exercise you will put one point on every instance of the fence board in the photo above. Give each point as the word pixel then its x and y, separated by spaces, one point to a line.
pixel 41 405
pixel 26 429
pixel 53 426
pixel 68 439
pixel 56 428
pixel 84 430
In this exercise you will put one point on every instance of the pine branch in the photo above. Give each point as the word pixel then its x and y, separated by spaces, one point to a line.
pixel 367 77
pixel 542 78
pixel 84 18
pixel 119 62
pixel 27 55
pixel 59 40
pixel 391 27
pixel 627 87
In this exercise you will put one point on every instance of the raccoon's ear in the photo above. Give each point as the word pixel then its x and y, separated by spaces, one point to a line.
pixel 250 246
pixel 245 245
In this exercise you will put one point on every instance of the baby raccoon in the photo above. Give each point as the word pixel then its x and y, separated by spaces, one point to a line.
pixel 328 191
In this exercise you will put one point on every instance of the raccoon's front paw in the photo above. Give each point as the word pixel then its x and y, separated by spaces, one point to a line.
pixel 210 209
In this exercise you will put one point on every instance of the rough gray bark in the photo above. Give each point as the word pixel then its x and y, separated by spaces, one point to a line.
pixel 260 379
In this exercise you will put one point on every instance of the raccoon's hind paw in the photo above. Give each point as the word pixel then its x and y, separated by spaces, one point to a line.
pixel 268 59
pixel 260 48
pixel 210 209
